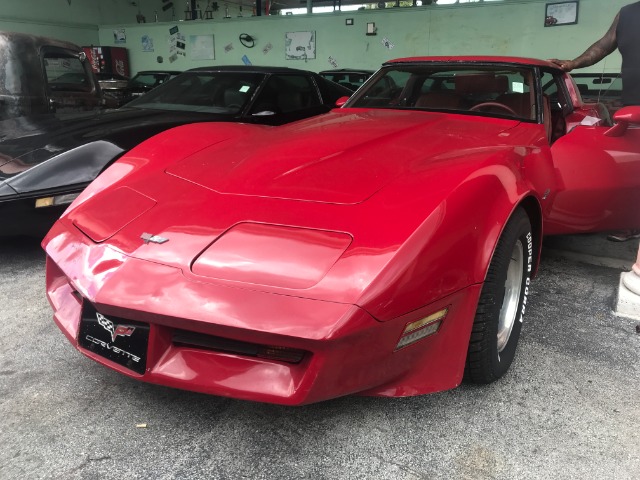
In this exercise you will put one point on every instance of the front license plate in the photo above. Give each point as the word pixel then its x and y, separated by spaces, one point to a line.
pixel 121 341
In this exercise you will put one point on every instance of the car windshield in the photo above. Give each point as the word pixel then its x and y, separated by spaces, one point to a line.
pixel 211 92
pixel 595 87
pixel 495 90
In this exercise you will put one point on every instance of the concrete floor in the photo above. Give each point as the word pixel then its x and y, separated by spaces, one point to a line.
pixel 569 407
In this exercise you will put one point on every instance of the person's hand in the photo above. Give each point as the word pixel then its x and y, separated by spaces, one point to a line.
pixel 565 65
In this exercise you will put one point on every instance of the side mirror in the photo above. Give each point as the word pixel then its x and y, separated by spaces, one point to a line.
pixel 624 118
pixel 341 101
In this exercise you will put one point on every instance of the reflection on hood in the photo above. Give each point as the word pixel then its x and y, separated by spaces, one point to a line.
pixel 27 126
pixel 10 167
pixel 19 127
pixel 27 141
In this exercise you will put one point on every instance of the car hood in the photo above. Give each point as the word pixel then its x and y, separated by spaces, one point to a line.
pixel 312 209
pixel 26 142
pixel 341 158
pixel 279 207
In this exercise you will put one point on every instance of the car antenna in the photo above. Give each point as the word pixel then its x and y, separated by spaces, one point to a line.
pixel 602 91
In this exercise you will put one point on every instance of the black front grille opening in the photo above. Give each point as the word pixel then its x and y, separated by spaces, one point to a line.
pixel 184 338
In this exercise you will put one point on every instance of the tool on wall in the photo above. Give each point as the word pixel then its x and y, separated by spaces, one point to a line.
pixel 247 40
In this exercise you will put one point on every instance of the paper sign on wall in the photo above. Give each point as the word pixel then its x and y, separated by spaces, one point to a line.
pixel 300 45
pixel 119 36
pixel 202 47
pixel 147 43
pixel 387 43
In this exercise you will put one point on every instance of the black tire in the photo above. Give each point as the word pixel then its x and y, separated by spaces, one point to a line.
pixel 502 304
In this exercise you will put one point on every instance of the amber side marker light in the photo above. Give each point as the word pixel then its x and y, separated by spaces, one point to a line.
pixel 420 329
pixel 57 200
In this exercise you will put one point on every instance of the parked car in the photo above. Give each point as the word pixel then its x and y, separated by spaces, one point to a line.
pixel 114 85
pixel 605 88
pixel 145 81
pixel 42 75
pixel 46 161
pixel 348 77
pixel 385 248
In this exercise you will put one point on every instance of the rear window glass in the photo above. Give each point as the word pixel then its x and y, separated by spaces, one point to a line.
pixel 66 73
pixel 597 87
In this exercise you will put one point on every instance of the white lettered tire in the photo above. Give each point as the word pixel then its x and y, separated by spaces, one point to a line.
pixel 503 302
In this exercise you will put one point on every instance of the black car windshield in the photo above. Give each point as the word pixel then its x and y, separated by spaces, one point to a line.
pixel 149 79
pixel 211 92
pixel 351 80
pixel 494 90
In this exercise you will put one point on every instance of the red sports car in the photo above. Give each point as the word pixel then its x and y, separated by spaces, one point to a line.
pixel 385 248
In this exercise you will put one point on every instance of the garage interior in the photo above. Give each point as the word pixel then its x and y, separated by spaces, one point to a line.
pixel 567 409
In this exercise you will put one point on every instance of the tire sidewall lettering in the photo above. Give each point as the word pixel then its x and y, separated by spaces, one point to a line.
pixel 527 281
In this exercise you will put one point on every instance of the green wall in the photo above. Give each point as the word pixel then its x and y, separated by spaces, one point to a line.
pixel 513 27
pixel 501 28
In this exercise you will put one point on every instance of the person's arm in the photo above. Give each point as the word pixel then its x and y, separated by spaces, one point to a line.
pixel 595 52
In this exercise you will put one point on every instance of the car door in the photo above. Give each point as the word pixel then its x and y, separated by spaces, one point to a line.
pixel 598 179
pixel 70 84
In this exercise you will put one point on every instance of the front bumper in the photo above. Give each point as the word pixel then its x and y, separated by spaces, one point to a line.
pixel 347 350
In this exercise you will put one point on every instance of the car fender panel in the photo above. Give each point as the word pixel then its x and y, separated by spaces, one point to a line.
pixel 74 167
pixel 103 224
pixel 6 191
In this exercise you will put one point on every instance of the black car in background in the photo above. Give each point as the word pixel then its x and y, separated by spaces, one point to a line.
pixel 41 75
pixel 47 160
pixel 605 88
pixel 146 80
pixel 347 77
pixel 115 86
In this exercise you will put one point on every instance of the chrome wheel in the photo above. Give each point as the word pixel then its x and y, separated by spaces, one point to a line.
pixel 511 300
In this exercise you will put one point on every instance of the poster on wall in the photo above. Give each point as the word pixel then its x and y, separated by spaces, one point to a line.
pixel 300 45
pixel 173 44
pixel 147 43
pixel 119 35
pixel 561 13
pixel 202 47
pixel 181 45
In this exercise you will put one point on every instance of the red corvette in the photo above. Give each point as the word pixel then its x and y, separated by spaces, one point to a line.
pixel 385 248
